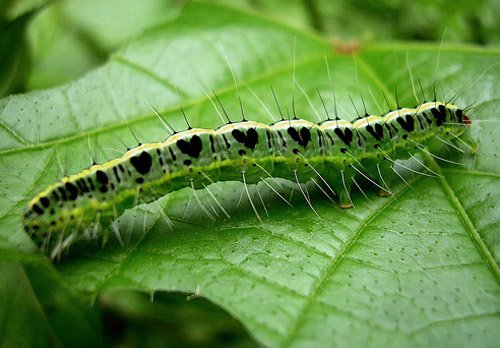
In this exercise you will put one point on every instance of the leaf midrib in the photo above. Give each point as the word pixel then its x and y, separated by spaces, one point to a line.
pixel 335 261
pixel 466 221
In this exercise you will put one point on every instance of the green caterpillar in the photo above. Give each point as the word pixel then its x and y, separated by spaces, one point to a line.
pixel 332 152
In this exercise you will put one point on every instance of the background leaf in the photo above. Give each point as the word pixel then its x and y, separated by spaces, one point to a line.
pixel 32 293
pixel 345 20
pixel 172 319
pixel 417 269
pixel 13 55
pixel 71 37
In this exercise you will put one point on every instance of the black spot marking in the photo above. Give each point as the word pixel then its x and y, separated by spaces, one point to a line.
pixel 345 136
pixel 191 148
pixel 358 138
pixel 56 196
pixel 283 141
pixel 139 180
pixel 329 137
pixel 160 157
pixel 172 154
pixel 72 189
pixel 302 138
pixel 212 143
pixel 115 171
pixel 103 189
pixel 408 124
pixel 62 191
pixel 45 201
pixel 380 130
pixel 405 136
pixel 370 130
pixel 296 151
pixel 442 109
pixel 429 121
pixel 142 163
pixel 101 177
pixel 82 185
pixel 439 114
pixel 249 140
pixel 320 139
pixel 36 208
pixel 420 122
pixel 91 183
pixel 269 142
pixel 228 145
pixel 389 129
pixel 460 116
pixel 242 152
pixel 187 162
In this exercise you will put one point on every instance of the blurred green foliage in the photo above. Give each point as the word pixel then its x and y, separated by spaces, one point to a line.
pixel 67 38
pixel 168 319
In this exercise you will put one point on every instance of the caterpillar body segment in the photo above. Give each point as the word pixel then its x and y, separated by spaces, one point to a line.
pixel 332 153
pixel 244 145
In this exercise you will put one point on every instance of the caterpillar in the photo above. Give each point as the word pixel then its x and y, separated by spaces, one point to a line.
pixel 330 153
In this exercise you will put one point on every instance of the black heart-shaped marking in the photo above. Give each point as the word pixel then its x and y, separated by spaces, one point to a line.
pixel 302 138
pixel 377 132
pixel 439 114
pixel 345 136
pixel 249 140
pixel 191 148
pixel 408 124
pixel 142 163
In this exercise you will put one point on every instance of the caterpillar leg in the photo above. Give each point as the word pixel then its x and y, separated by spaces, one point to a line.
pixel 341 178
pixel 380 175
pixel 384 177
pixel 345 200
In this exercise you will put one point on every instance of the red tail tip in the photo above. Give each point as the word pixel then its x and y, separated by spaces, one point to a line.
pixel 466 119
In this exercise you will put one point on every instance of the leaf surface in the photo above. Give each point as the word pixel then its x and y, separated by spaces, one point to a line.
pixel 419 268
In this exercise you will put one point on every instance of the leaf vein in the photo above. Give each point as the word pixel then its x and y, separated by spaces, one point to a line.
pixel 331 267
pixel 469 226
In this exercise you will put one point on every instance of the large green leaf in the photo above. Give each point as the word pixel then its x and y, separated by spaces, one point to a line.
pixel 417 268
